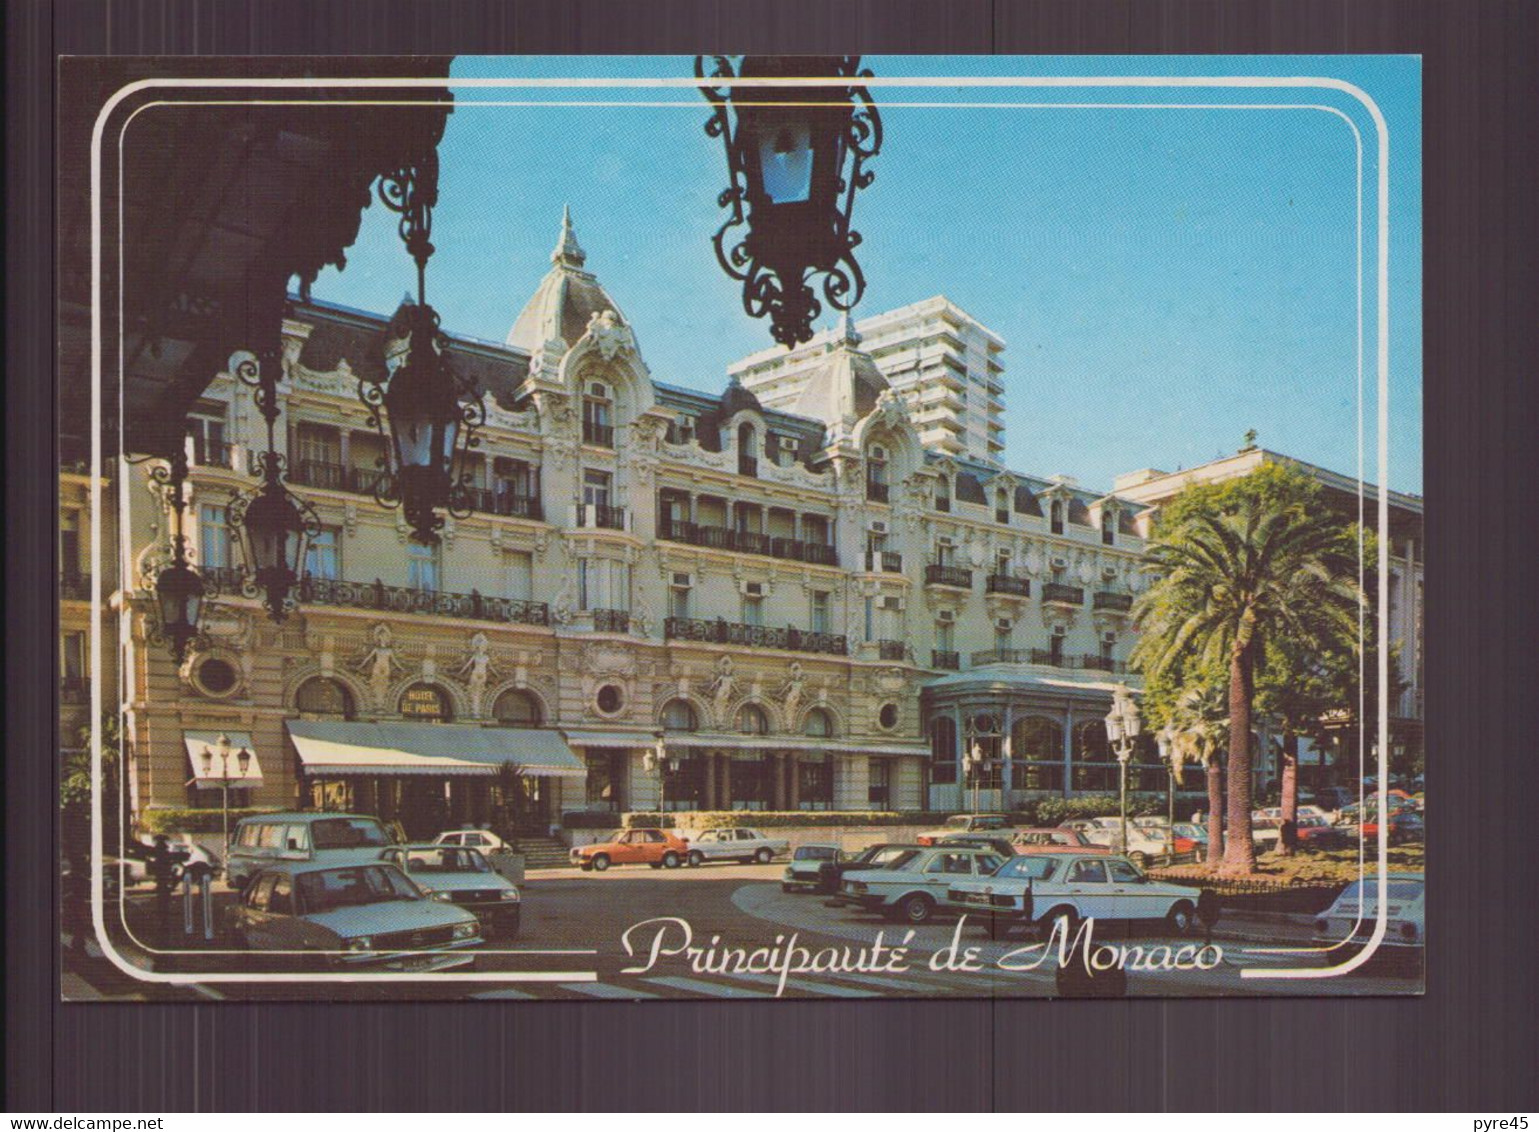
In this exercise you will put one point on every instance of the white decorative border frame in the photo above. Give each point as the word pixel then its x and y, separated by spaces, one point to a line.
pixel 1057 82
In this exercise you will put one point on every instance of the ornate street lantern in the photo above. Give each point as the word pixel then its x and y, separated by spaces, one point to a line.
pixel 274 526
pixel 795 157
pixel 179 589
pixel 1122 729
pixel 426 414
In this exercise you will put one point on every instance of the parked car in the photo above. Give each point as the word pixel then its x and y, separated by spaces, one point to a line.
pixel 831 873
pixel 1001 844
pixel 912 885
pixel 655 847
pixel 1057 840
pixel 1266 833
pixel 965 823
pixel 1317 832
pixel 482 839
pixel 1333 798
pixel 805 870
pixel 736 844
pixel 1355 913
pixel 1048 889
pixel 320 838
pixel 359 915
pixel 1193 832
pixel 468 879
pixel 1143 842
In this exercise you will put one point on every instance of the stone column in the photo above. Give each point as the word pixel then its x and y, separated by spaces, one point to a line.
pixel 852 782
pixel 794 787
pixel 778 762
pixel 709 802
pixel 1068 751
pixel 726 781
pixel 907 781
pixel 1006 743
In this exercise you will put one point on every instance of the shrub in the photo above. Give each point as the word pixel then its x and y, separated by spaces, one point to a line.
pixel 195 821
pixel 772 819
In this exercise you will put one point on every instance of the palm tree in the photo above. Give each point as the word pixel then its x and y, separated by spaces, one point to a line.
pixel 1239 565
pixel 1201 717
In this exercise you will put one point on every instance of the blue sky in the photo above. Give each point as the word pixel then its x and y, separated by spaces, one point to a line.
pixel 1165 278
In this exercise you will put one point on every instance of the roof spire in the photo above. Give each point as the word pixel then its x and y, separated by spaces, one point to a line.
pixel 568 250
pixel 847 332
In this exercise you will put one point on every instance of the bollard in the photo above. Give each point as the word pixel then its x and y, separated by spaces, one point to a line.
pixel 187 902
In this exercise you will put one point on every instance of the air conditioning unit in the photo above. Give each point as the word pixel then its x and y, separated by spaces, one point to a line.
pixel 753 589
pixel 1108 572
pixel 946 615
pixel 1060 631
pixel 1060 564
pixel 1003 626
pixel 879 528
pixel 682 581
pixel 892 603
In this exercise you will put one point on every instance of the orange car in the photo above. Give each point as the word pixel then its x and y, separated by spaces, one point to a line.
pixel 655 847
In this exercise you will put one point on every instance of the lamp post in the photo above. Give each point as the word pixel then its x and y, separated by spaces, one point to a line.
pixel 975 760
pixel 242 763
pixel 795 157
pixel 179 589
pixel 1122 728
pixel 656 761
pixel 1174 757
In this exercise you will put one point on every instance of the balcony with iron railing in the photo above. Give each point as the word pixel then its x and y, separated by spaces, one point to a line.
pixel 1051 657
pixel 494 502
pixel 611 621
pixel 884 562
pixel 747 466
pixel 75 586
pixel 599 516
pixel 945 658
pixel 600 435
pixel 401 599
pixel 1006 585
pixel 1102 663
pixel 876 492
pixel 753 636
pixel 955 577
pixel 747 542
pixel 999 656
pixel 1056 593
pixel 892 650
pixel 323 474
pixel 1115 602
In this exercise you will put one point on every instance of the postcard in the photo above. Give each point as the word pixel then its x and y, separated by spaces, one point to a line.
pixel 728 527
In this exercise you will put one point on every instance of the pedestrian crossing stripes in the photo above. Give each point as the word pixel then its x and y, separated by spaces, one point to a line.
pixel 699 986
pixel 606 990
pixel 502 992
pixel 807 986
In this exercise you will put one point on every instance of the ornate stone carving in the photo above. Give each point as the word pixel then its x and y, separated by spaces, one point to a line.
pixel 721 690
pixel 477 669
pixel 381 664
pixel 610 335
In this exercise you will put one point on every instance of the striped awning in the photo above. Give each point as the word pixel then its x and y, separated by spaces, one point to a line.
pixel 212 777
pixel 335 747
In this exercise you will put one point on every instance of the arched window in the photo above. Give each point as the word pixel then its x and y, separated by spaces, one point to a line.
pixel 747 457
pixel 679 715
pixel 516 708
pixel 751 720
pixel 1094 767
pixel 819 724
pixel 1036 748
pixel 1108 526
pixel 324 698
pixel 598 415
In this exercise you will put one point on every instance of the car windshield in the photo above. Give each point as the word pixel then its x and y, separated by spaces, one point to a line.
pixel 347 833
pixel 815 853
pixel 1398 890
pixel 894 859
pixel 614 835
pixel 958 823
pixel 444 859
pixel 1028 868
pixel 329 889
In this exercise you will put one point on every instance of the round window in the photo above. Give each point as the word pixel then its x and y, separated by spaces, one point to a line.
pixel 216 676
pixel 888 716
pixel 610 699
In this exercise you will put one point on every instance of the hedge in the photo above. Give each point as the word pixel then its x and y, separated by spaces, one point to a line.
pixel 194 821
pixel 772 819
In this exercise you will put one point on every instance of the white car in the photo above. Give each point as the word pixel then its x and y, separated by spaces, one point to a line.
pixel 1144 842
pixel 1047 889
pixel 467 878
pixel 912 885
pixel 1355 913
pixel 736 844
pixel 806 868
pixel 966 823
pixel 482 839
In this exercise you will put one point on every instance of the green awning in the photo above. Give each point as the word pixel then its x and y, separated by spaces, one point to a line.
pixel 336 747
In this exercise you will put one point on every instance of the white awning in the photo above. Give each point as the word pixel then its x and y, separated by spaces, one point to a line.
pixel 729 743
pixel 336 747
pixel 631 739
pixel 213 778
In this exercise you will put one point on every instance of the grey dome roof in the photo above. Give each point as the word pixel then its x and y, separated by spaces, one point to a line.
pixel 566 299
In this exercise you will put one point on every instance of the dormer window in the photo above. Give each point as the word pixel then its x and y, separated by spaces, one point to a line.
pixel 598 416
pixel 747 462
pixel 943 494
pixel 1002 506
pixel 681 430
pixel 1055 520
pixel 1108 526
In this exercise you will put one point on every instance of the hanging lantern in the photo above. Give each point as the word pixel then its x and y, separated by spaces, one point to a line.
pixel 426 414
pixel 179 589
pixel 276 529
pixel 794 159
pixel 274 526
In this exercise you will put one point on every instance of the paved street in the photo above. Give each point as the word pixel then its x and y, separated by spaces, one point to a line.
pixel 575 930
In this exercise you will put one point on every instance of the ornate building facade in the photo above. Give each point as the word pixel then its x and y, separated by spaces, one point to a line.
pixel 809 611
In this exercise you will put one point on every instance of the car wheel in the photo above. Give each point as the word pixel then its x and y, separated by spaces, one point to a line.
pixel 654 864
pixel 670 860
pixel 763 856
pixel 586 866
pixel 916 908
pixel 1182 919
pixel 696 858
pixel 601 861
pixel 1064 915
